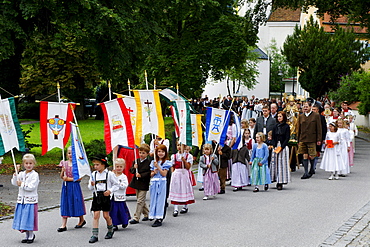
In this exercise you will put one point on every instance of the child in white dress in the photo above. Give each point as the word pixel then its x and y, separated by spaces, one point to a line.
pixel 331 160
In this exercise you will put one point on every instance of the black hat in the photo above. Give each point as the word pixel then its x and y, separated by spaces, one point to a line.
pixel 101 158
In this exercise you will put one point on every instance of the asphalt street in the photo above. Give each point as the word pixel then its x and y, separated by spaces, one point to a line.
pixel 305 213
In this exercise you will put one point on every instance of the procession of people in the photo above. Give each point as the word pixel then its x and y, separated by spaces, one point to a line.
pixel 260 155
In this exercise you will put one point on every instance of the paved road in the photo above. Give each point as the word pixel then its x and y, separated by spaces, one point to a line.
pixel 309 212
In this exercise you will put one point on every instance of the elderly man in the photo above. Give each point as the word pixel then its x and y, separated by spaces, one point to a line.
pixel 274 110
pixel 309 133
pixel 264 123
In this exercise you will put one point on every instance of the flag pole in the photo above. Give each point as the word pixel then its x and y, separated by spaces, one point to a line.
pixel 155 83
pixel 129 87
pixel 109 90
pixel 146 80
pixel 82 144
pixel 58 90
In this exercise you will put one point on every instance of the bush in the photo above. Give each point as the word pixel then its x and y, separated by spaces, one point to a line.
pixel 28 111
pixel 96 147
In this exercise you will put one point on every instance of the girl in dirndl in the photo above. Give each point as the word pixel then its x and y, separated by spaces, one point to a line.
pixel 260 172
pixel 209 162
pixel 240 161
pixel 26 211
pixel 119 211
pixel 181 190
pixel 71 199
pixel 280 171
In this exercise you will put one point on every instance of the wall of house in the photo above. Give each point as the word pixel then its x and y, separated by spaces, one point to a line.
pixel 214 88
pixel 362 119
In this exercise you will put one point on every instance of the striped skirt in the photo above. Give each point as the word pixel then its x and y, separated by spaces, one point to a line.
pixel 211 183
pixel 280 171
pixel 181 190
pixel 260 174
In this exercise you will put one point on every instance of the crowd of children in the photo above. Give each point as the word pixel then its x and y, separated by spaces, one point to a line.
pixel 256 161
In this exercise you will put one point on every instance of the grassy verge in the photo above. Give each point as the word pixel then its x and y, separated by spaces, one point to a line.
pixel 6 209
pixel 90 130
pixel 363 129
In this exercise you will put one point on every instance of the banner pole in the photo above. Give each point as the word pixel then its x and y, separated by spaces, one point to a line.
pixel 129 87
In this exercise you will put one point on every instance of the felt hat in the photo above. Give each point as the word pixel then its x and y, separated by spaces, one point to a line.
pixel 101 158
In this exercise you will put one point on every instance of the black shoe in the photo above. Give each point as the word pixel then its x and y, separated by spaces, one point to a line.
pixel 266 187
pixel 157 223
pixel 221 192
pixel 145 219
pixel 256 190
pixel 235 189
pixel 124 226
pixel 24 240
pixel 184 211
pixel 115 228
pixel 80 226
pixel 175 213
pixel 109 235
pixel 279 186
pixel 30 241
pixel 240 188
pixel 201 189
pixel 93 239
pixel 62 229
pixel 134 221
pixel 305 176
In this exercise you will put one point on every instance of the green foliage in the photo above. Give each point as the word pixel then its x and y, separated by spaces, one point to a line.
pixel 96 146
pixel 28 110
pixel 363 90
pixel 354 87
pixel 323 58
pixel 279 69
pixel 27 136
pixel 347 89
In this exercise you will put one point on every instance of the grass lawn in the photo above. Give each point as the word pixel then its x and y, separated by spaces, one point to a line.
pixel 90 130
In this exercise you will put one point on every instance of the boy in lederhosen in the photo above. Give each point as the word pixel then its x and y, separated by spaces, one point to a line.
pixel 104 183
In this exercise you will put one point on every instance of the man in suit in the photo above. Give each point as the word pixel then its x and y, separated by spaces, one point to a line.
pixel 315 108
pixel 274 110
pixel 264 123
pixel 309 134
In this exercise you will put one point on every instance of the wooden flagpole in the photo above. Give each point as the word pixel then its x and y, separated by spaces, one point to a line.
pixel 58 90
pixel 129 87
pixel 146 80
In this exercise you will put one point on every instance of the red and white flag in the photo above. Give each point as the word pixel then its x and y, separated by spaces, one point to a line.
pixel 55 125
pixel 117 125
pixel 175 120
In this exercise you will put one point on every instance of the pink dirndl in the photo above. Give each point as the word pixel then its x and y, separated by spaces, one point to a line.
pixel 211 183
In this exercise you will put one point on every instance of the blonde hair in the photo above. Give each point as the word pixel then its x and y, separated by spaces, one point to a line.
pixel 120 161
pixel 262 136
pixel 207 146
pixel 29 157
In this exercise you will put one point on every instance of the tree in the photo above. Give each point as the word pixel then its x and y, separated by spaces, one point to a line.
pixel 204 38
pixel 356 10
pixel 322 58
pixel 279 68
pixel 354 87
pixel 45 64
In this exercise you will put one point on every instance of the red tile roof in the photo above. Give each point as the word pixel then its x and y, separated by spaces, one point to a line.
pixel 285 15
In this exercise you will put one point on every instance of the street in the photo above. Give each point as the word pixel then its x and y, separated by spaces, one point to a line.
pixel 305 213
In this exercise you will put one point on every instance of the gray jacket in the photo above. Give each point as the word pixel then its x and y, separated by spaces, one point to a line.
pixel 214 163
